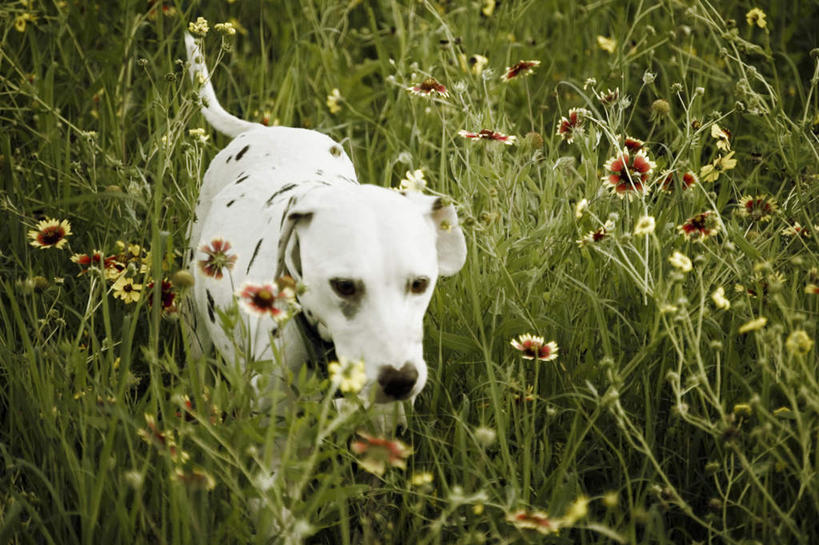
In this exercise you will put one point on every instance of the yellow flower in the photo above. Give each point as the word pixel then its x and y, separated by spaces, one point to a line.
pixel 680 262
pixel 606 44
pixel 799 342
pixel 719 299
pixel 21 20
pixel 645 226
pixel 488 7
pixel 712 171
pixel 722 136
pixel 199 135
pixel 753 325
pixel 742 409
pixel 421 479
pixel 50 233
pixel 333 101
pixel 577 510
pixel 413 181
pixel 580 208
pixel 225 28
pixel 125 289
pixel 348 375
pixel 756 17
pixel 199 27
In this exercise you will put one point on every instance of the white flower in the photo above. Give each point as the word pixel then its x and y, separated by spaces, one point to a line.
pixel 681 262
pixel 199 27
pixel 348 375
pixel 413 181
pixel 719 299
pixel 645 226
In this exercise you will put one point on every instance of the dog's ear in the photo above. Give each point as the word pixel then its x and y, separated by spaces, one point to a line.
pixel 450 243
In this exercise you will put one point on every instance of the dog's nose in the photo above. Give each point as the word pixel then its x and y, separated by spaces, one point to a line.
pixel 397 383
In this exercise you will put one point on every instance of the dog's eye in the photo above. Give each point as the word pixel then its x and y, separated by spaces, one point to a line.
pixel 419 285
pixel 344 287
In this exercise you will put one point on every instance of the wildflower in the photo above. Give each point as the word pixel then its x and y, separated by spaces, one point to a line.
pixel 579 509
pixel 22 20
pixel 198 135
pixel 429 88
pixel 645 226
pixel 334 101
pixel 742 409
pixel 606 44
pixel 95 259
pixel 162 440
pixel 413 181
pixel 796 230
pixel 753 325
pixel 756 17
pixel 534 347
pixel 711 172
pixel 124 288
pixel 485 436
pixel 477 63
pixel 377 453
pixel 200 27
pixel 634 144
pixel 50 233
pixel 680 261
pixel 659 109
pixel 611 499
pixel 488 8
pixel 760 208
pixel 668 182
pixel 423 478
pixel 166 297
pixel 610 97
pixel 722 136
pixel 572 125
pixel 522 68
pixel 158 8
pixel 275 299
pixel 218 258
pixel 700 227
pixel 486 134
pixel 597 235
pixel 627 173
pixel 799 342
pixel 225 28
pixel 537 520
pixel 197 479
pixel 348 375
pixel 812 289
pixel 719 299
pixel 580 208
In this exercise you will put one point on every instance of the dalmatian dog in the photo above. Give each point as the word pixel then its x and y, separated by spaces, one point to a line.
pixel 287 200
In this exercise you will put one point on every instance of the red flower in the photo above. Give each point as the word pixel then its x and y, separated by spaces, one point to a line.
pixel 486 134
pixel 522 68
pixel 700 227
pixel 379 452
pixel 759 208
pixel 537 520
pixel 430 87
pixel 534 347
pixel 634 144
pixel 277 299
pixel 672 180
pixel 166 298
pixel 627 172
pixel 569 126
pixel 217 259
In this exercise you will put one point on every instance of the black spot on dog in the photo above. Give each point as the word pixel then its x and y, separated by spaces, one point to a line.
pixel 228 159
pixel 284 189
pixel 211 305
pixel 335 150
pixel 230 202
pixel 243 178
pixel 190 254
pixel 319 172
pixel 255 253
pixel 242 152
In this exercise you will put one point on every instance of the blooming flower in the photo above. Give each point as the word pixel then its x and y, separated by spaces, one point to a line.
pixel 124 288
pixel 610 97
pixel 812 289
pixel 423 478
pixel 377 453
pixel 413 181
pixel 534 347
pixel 429 88
pixel 95 259
pixel 199 27
pixel 756 17
pixel 199 135
pixel 334 101
pixel 796 230
pixel 645 226
pixel 166 297
pixel 218 258
pixel 627 173
pixel 597 235
pixel 22 20
pixel 348 375
pixel 579 509
pixel 486 134
pixel 700 227
pixel 634 144
pixel 537 520
pixel 680 261
pixel 225 28
pixel 606 44
pixel 477 63
pixel 722 136
pixel 753 325
pixel 799 342
pixel 719 299
pixel 572 125
pixel 671 181
pixel 760 208
pixel 276 299
pixel 580 208
pixel 522 68
pixel 711 172
pixel 50 233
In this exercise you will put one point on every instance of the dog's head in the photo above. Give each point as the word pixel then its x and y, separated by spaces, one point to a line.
pixel 370 258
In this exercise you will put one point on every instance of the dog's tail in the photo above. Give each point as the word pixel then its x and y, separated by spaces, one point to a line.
pixel 221 120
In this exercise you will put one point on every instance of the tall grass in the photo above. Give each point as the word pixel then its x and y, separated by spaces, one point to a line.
pixel 669 416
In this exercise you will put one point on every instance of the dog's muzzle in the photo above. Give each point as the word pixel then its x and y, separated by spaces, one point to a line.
pixel 396 384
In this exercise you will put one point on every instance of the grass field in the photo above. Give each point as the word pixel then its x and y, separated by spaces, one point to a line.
pixel 656 218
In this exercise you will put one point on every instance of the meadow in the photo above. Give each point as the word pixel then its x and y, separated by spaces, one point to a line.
pixel 638 184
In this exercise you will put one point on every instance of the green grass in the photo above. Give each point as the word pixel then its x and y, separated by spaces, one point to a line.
pixel 675 424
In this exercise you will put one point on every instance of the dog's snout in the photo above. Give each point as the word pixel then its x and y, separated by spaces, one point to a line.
pixel 398 383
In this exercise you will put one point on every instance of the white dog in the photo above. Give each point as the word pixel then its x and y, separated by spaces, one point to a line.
pixel 288 202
